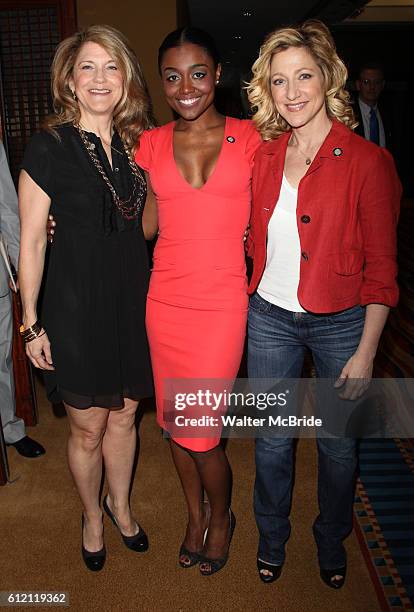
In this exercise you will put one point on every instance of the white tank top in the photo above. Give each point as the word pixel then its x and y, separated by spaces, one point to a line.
pixel 280 280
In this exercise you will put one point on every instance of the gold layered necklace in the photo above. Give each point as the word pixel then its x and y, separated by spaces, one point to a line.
pixel 129 208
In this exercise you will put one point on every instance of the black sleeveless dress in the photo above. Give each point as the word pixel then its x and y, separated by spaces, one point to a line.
pixel 95 287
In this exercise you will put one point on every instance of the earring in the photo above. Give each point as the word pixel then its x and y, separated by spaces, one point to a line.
pixel 217 81
pixel 74 96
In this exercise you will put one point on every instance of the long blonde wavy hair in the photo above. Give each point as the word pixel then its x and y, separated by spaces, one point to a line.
pixel 132 114
pixel 315 37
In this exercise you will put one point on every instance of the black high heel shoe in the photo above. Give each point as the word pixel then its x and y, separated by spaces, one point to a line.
pixel 94 561
pixel 274 571
pixel 327 576
pixel 215 565
pixel 193 557
pixel 137 542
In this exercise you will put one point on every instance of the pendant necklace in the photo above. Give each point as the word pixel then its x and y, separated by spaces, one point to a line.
pixel 308 159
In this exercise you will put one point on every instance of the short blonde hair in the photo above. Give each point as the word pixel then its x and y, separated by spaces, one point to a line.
pixel 315 37
pixel 132 114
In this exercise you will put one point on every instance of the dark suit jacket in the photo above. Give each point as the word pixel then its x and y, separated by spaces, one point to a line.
pixel 386 122
pixel 9 221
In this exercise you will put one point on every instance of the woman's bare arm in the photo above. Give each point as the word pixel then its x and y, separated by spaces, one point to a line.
pixel 34 206
pixel 357 371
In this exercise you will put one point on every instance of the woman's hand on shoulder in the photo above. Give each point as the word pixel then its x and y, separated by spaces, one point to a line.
pixel 39 353
pixel 50 225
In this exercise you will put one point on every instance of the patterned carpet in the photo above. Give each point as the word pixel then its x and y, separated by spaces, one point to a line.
pixel 384 519
pixel 384 502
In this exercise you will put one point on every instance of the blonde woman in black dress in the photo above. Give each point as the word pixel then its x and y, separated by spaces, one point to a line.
pixel 91 343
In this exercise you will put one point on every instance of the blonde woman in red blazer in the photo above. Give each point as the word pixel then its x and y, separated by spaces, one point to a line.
pixel 323 244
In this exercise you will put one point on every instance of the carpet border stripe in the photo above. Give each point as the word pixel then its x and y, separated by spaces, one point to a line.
pixel 363 540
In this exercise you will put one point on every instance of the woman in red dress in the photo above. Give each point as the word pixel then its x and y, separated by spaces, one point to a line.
pixel 199 168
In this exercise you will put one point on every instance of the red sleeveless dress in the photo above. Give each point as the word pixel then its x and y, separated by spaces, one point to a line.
pixel 197 300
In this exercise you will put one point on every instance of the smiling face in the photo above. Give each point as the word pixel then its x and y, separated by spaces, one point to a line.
pixel 97 81
pixel 297 87
pixel 188 75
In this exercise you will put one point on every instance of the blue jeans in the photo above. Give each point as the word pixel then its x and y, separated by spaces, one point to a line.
pixel 277 342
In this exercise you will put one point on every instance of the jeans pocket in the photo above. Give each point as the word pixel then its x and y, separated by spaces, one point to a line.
pixel 355 314
pixel 258 304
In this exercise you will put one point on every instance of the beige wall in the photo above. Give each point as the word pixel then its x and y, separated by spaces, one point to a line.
pixel 145 23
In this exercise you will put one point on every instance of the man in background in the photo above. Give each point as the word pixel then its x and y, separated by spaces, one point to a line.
pixel 13 428
pixel 372 121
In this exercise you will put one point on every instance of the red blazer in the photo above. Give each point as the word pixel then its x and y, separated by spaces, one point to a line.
pixel 347 212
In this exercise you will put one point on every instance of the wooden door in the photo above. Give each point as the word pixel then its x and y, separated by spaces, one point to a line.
pixel 30 30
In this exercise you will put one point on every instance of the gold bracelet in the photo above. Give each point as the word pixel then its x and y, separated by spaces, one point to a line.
pixel 26 341
pixel 31 332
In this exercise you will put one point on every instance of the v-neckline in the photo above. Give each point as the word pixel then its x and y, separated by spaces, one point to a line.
pixel 178 171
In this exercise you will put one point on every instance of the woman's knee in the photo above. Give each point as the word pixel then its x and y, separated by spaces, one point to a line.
pixel 342 450
pixel 203 458
pixel 87 428
pixel 123 419
pixel 88 436
pixel 274 445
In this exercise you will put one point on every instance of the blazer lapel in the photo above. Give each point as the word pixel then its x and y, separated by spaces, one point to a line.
pixel 274 158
